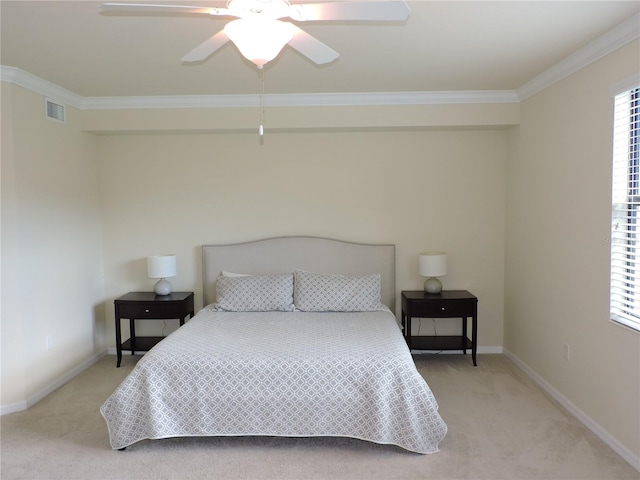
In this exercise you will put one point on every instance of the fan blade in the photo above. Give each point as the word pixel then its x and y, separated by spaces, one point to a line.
pixel 365 11
pixel 312 48
pixel 147 7
pixel 206 48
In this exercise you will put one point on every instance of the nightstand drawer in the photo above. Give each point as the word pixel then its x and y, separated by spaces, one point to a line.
pixel 151 310
pixel 443 309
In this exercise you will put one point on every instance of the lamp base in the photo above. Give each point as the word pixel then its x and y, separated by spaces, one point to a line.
pixel 432 285
pixel 162 287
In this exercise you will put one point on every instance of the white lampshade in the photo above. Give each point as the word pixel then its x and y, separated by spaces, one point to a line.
pixel 162 266
pixel 432 265
pixel 259 39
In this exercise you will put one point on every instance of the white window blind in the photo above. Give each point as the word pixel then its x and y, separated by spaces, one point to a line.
pixel 625 211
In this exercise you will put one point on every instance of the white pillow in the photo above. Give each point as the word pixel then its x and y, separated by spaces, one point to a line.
pixel 317 292
pixel 231 274
pixel 254 293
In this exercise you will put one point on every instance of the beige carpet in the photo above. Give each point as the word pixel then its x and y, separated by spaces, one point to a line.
pixel 501 426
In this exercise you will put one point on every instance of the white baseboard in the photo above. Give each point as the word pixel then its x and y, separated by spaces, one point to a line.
pixel 13 407
pixel 113 351
pixel 35 398
pixel 479 351
pixel 606 437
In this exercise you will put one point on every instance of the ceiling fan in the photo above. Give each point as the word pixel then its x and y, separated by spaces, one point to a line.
pixel 260 34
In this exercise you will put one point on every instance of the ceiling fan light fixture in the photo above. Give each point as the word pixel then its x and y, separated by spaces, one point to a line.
pixel 259 40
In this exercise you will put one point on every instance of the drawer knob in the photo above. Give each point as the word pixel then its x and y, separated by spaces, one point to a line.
pixel 147 310
pixel 442 309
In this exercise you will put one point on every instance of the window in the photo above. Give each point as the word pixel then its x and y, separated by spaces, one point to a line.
pixel 625 211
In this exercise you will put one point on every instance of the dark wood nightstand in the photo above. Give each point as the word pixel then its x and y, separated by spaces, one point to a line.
pixel 148 306
pixel 446 304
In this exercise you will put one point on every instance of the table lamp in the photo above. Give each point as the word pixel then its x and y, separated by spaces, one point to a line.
pixel 162 266
pixel 432 265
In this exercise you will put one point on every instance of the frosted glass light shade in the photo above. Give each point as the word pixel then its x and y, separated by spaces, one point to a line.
pixel 432 265
pixel 162 266
pixel 259 39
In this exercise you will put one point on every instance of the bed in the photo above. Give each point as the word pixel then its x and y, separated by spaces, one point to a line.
pixel 297 339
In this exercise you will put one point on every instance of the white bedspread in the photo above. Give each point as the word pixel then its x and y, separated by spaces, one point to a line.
pixel 279 374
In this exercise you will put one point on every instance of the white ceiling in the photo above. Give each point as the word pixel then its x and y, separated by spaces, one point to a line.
pixel 443 46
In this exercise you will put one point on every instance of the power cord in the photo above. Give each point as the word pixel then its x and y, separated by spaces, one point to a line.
pixel 435 329
pixel 435 334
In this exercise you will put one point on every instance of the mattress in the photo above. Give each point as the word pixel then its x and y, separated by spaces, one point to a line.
pixel 292 374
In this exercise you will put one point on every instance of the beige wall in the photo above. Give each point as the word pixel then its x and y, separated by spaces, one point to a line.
pixel 11 358
pixel 421 190
pixel 557 255
pixel 81 211
pixel 52 274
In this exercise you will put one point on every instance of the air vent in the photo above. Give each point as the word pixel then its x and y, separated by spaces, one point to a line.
pixel 54 111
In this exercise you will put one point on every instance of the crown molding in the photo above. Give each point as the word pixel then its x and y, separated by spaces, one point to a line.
pixel 617 37
pixel 397 98
pixel 632 81
pixel 36 84
pixel 301 100
pixel 17 76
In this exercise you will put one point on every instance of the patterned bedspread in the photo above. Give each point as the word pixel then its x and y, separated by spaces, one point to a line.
pixel 279 374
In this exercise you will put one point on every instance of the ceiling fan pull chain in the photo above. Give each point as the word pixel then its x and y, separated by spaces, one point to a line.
pixel 261 128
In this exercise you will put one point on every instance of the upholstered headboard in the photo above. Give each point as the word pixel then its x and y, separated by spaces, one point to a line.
pixel 282 255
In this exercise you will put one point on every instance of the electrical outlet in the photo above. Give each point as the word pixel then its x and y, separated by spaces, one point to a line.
pixel 48 342
pixel 566 352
